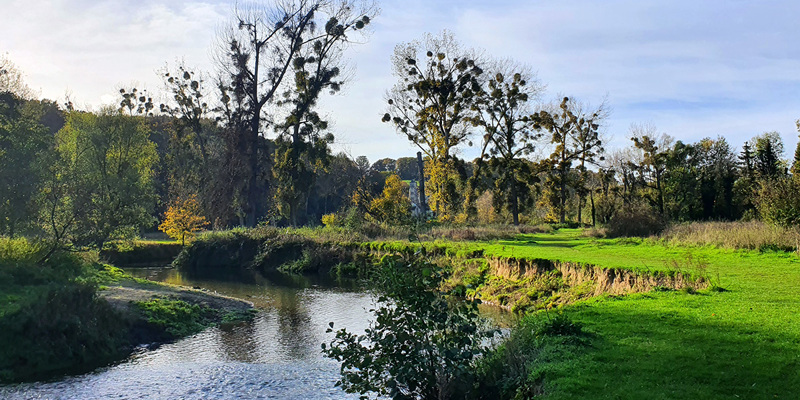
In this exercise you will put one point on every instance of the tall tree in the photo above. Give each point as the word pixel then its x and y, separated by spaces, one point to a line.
pixel 768 158
pixel 431 104
pixel 654 149
pixel 25 149
pixel 796 161
pixel 187 104
pixel 503 110
pixel 302 144
pixel 102 185
pixel 589 146
pixel 264 45
pixel 573 134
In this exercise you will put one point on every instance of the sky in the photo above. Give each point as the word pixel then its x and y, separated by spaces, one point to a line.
pixel 693 69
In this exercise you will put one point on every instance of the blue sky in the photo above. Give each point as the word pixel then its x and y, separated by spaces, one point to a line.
pixel 692 68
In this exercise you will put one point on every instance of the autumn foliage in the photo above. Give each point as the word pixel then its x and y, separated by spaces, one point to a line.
pixel 183 219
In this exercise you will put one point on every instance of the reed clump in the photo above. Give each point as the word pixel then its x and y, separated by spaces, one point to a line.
pixel 751 235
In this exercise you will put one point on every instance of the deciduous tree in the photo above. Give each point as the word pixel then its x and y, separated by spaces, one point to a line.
pixel 503 110
pixel 183 218
pixel 431 104
pixel 102 185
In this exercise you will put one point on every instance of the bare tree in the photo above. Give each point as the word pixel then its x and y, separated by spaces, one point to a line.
pixel 653 147
pixel 13 80
pixel 504 109
pixel 574 135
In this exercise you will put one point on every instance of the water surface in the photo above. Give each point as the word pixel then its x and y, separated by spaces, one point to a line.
pixel 276 356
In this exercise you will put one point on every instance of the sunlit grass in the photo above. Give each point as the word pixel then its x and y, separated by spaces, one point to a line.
pixel 742 342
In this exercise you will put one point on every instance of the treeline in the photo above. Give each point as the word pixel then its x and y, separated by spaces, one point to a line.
pixel 249 144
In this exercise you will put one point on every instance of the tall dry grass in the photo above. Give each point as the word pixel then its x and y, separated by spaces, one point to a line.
pixel 751 235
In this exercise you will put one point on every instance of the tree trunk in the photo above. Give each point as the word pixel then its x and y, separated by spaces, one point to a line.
pixel 591 198
pixel 421 168
pixel 563 197
pixel 252 190
pixel 514 204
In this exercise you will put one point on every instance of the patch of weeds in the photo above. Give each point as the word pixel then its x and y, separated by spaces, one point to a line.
pixel 239 316
pixel 176 318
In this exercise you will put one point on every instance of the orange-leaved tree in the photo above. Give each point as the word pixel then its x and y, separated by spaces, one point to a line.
pixel 183 219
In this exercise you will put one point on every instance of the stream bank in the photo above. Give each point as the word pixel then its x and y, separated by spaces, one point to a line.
pixel 519 284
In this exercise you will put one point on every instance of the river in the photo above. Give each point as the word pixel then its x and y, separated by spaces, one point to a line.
pixel 276 356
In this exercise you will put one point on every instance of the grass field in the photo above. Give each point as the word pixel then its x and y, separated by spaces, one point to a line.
pixel 743 342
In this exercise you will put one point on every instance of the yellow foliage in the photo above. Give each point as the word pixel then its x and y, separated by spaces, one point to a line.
pixel 330 220
pixel 183 218
pixel 440 172
pixel 393 206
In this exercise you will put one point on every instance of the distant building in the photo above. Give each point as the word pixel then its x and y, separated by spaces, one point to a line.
pixel 413 195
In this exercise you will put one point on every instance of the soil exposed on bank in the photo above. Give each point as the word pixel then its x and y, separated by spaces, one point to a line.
pixel 127 294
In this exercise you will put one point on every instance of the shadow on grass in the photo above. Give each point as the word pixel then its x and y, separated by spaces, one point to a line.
pixel 640 353
pixel 542 243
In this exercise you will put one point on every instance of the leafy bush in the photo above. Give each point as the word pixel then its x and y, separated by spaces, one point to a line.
pixel 62 327
pixel 422 345
pixel 330 220
pixel 636 220
pixel 778 201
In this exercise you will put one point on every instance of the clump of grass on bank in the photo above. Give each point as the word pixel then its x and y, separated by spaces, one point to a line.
pixel 141 252
pixel 177 318
pixel 422 232
pixel 751 235
pixel 269 248
pixel 519 367
pixel 50 317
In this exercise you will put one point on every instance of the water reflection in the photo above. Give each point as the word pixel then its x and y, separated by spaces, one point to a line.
pixel 277 355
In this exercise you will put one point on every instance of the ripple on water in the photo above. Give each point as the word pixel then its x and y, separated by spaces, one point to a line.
pixel 276 356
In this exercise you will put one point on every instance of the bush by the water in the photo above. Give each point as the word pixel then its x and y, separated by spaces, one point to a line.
pixel 50 316
pixel 422 345
pixel 518 367
pixel 268 248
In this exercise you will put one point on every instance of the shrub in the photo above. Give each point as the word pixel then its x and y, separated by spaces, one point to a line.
pixel 516 368
pixel 778 202
pixel 636 220
pixel 64 326
pixel 330 220
pixel 422 345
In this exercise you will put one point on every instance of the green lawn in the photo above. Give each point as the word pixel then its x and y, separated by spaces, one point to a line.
pixel 741 343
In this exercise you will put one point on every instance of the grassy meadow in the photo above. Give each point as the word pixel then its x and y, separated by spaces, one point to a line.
pixel 741 342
